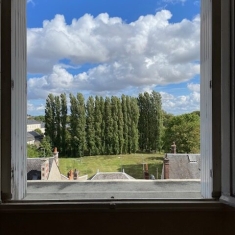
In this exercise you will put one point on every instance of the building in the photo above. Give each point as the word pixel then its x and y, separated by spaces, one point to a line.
pixel 44 168
pixel 33 137
pixel 181 166
pixel 34 124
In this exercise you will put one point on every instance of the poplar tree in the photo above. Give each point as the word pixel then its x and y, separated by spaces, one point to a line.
pixel 150 121
pixel 108 135
pixel 102 110
pixel 57 122
pixel 90 126
pixel 74 141
pixel 97 126
pixel 81 124
pixel 125 124
pixel 115 136
pixel 64 132
pixel 120 126
pixel 133 129
pixel 50 128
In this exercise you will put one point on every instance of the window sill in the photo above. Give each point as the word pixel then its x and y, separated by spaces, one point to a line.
pixel 115 189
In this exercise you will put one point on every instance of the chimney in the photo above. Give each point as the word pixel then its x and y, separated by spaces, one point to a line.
pixel 166 167
pixel 173 148
pixel 75 175
pixel 70 175
pixel 56 156
pixel 146 173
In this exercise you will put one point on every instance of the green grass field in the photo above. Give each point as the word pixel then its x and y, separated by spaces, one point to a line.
pixel 131 163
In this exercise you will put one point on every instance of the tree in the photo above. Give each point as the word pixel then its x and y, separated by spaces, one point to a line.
pixel 98 119
pixel 64 132
pixel 133 128
pixel 120 126
pixel 125 124
pixel 39 118
pixel 90 126
pixel 115 136
pixel 184 130
pixel 39 131
pixel 77 124
pixel 108 135
pixel 150 121
pixel 32 151
pixel 50 128
pixel 57 122
pixel 46 146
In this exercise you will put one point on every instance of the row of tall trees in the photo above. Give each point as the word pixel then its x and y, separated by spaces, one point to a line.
pixel 104 125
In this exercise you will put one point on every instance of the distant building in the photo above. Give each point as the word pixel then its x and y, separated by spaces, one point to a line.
pixel 33 137
pixel 34 124
pixel 181 166
pixel 30 138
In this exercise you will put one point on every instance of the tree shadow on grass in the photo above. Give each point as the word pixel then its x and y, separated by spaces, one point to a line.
pixel 136 170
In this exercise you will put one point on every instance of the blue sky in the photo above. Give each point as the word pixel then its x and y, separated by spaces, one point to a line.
pixel 107 47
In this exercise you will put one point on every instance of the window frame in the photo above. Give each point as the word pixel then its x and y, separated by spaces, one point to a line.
pixel 9 176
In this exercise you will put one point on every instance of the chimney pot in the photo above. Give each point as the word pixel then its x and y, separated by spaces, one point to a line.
pixel 173 148
pixel 166 168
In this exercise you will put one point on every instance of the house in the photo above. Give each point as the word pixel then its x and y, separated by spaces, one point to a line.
pixel 44 168
pixel 33 137
pixel 181 166
pixel 30 138
pixel 34 124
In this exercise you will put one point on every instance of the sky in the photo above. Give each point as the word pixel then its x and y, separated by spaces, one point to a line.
pixel 107 47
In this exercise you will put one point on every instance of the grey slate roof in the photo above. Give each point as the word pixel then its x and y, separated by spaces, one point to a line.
pixel 30 137
pixel 35 134
pixel 112 176
pixel 184 166
pixel 33 168
pixel 32 121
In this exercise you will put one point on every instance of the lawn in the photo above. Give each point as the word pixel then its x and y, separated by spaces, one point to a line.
pixel 131 163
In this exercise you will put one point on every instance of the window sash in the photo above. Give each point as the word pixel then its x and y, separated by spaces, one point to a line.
pixel 227 99
pixel 14 95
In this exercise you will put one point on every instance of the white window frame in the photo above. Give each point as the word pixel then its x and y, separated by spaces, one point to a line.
pixel 216 180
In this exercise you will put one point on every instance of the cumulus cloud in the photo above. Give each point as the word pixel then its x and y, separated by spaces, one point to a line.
pixel 31 1
pixel 183 103
pixel 31 107
pixel 194 87
pixel 174 1
pixel 147 52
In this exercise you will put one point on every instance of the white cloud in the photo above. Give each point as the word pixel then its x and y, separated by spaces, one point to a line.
pixel 197 3
pixel 32 107
pixel 148 52
pixel 31 1
pixel 194 87
pixel 183 103
pixel 174 1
